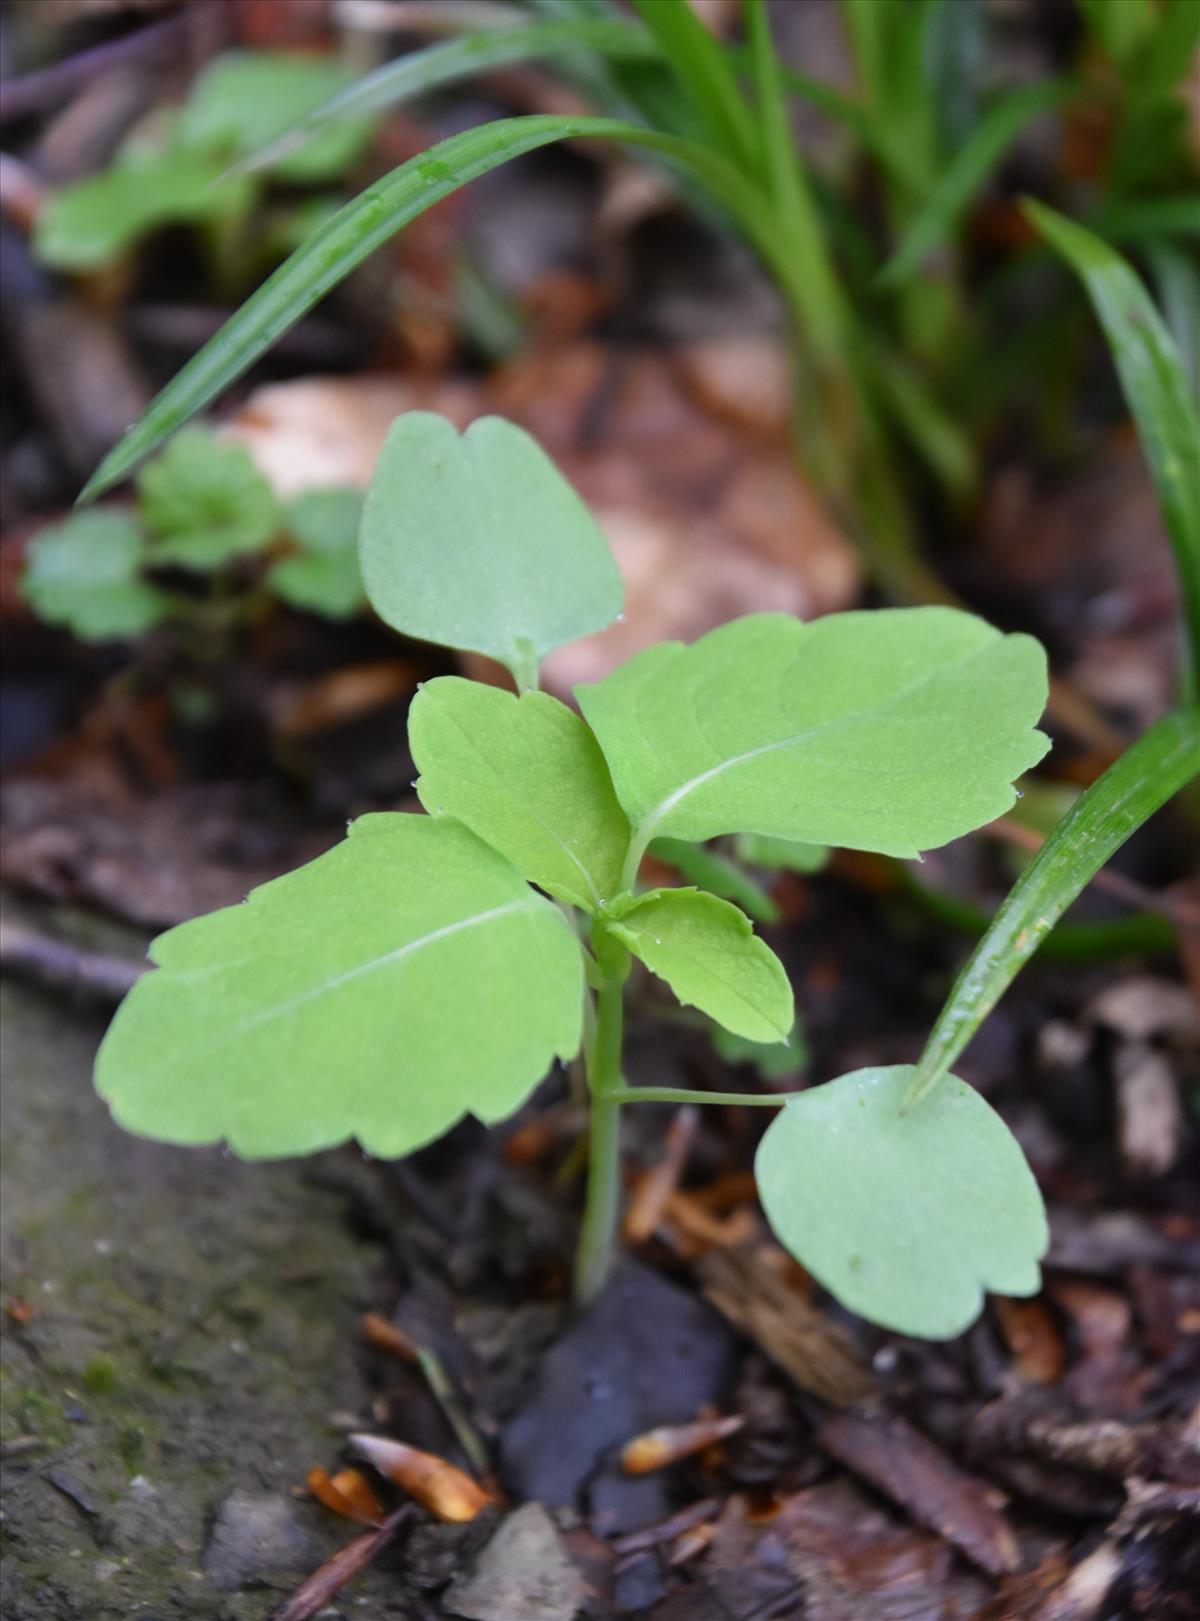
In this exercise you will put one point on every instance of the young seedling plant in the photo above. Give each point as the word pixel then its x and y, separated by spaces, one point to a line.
pixel 435 965
pixel 206 549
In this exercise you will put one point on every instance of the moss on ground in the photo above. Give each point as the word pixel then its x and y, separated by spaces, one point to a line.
pixel 180 1327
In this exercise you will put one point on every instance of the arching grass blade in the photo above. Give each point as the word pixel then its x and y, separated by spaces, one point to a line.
pixel 450 61
pixel 1099 822
pixel 936 219
pixel 1157 393
pixel 367 222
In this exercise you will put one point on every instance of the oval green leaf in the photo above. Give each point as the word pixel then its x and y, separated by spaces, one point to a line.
pixel 893 730
pixel 477 541
pixel 322 575
pixel 84 574
pixel 527 776
pixel 400 981
pixel 206 502
pixel 907 1216
pixel 711 958
pixel 247 99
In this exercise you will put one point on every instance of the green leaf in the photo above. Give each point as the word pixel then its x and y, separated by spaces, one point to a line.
pixel 92 222
pixel 477 541
pixel 246 99
pixel 788 855
pixel 1102 818
pixel 709 869
pixel 206 502
pixel 907 1216
pixel 369 221
pixel 450 61
pixel 892 730
pixel 1120 26
pixel 937 218
pixel 1156 391
pixel 84 574
pixel 705 78
pixel 527 776
pixel 711 958
pixel 322 575
pixel 774 1061
pixel 383 991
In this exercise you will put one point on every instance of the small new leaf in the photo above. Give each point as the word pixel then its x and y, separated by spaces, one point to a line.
pixel 380 992
pixel 477 541
pixel 322 575
pixel 91 222
pixel 893 730
pixel 907 1217
pixel 206 501
pixel 246 99
pixel 84 574
pixel 527 776
pixel 711 958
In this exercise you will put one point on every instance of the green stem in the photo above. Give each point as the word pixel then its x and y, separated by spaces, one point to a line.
pixel 598 1235
pixel 682 1094
pixel 639 843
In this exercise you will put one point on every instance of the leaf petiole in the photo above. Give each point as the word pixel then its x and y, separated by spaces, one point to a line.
pixel 683 1094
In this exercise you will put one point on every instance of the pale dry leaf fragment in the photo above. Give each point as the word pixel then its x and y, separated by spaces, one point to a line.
pixel 1151 1125
pixel 438 1485
pixel 312 432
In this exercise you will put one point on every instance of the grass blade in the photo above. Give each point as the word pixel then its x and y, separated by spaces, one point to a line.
pixel 1119 27
pixel 788 187
pixel 699 64
pixel 367 222
pixel 1132 220
pixel 450 61
pixel 1178 279
pixel 1099 822
pixel 937 217
pixel 1157 393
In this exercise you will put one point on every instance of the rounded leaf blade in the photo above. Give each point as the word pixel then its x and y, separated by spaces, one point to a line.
pixel 906 1215
pixel 477 541
pixel 85 574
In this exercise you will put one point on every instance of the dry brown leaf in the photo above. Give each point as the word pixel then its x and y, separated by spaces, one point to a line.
pixel 648 1200
pixel 339 697
pixel 316 431
pixel 747 1287
pixel 928 1485
pixel 1033 1338
pixel 708 518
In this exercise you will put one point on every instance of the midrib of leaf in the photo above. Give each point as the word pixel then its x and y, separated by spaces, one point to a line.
pixel 282 1009
pixel 527 808
pixel 645 830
